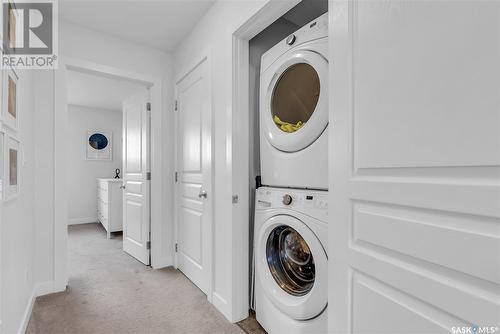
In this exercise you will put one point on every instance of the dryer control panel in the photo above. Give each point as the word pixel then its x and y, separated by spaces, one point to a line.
pixel 314 30
pixel 313 203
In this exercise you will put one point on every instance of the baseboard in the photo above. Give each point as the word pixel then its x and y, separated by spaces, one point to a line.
pixel 44 288
pixel 222 305
pixel 27 313
pixel 162 262
pixel 76 221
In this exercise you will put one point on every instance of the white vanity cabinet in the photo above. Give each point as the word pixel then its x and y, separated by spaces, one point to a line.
pixel 109 204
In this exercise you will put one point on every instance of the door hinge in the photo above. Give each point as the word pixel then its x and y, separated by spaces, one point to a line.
pixel 148 176
pixel 175 177
pixel 176 248
pixel 176 105
pixel 148 245
pixel 148 106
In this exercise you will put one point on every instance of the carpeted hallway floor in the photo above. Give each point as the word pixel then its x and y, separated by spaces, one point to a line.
pixel 111 292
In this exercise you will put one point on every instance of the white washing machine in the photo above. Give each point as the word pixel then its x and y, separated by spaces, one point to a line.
pixel 291 263
pixel 294 109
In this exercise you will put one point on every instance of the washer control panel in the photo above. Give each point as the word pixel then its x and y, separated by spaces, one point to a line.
pixel 310 202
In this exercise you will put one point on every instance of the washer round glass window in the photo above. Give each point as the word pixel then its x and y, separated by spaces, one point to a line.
pixel 295 97
pixel 290 260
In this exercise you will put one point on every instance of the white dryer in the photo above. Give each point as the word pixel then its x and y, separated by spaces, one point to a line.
pixel 291 263
pixel 294 109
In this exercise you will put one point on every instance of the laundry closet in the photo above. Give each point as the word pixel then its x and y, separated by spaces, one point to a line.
pixel 289 171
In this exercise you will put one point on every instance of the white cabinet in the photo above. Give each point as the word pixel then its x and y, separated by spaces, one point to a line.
pixel 109 204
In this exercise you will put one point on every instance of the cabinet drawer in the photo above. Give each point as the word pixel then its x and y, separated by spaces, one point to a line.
pixel 102 197
pixel 104 211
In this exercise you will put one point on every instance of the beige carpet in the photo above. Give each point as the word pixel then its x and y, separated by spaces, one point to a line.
pixel 111 292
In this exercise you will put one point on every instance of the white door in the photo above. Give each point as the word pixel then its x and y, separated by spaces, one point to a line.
pixel 415 155
pixel 194 195
pixel 136 177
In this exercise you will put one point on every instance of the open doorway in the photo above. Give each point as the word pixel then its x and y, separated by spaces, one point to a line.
pixel 108 135
pixel 143 239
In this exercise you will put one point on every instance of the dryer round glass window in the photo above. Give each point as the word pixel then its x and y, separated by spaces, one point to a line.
pixel 295 97
pixel 290 260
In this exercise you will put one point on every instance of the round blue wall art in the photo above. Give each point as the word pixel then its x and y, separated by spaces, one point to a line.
pixel 98 141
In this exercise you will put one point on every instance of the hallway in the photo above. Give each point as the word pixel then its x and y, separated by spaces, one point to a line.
pixel 111 292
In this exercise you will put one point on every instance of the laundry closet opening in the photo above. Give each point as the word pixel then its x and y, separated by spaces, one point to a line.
pixel 288 117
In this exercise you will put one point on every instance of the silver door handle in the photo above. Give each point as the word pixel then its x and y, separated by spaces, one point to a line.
pixel 202 193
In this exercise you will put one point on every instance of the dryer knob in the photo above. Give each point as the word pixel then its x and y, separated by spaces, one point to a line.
pixel 287 199
pixel 290 39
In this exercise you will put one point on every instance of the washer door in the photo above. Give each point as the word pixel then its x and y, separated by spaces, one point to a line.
pixel 294 111
pixel 292 266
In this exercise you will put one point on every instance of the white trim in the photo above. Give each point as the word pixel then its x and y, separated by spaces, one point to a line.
pixel 162 262
pixel 27 313
pixel 60 186
pixel 40 289
pixel 86 220
pixel 44 288
pixel 239 160
pixel 61 205
pixel 221 304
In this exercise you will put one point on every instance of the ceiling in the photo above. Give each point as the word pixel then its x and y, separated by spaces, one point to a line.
pixel 157 24
pixel 99 92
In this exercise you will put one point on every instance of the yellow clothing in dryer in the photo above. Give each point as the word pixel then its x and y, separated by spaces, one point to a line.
pixel 287 127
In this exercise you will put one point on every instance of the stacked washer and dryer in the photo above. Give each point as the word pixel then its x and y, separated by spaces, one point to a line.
pixel 291 209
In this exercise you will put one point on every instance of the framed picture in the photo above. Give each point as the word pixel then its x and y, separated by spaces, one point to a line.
pixel 12 168
pixel 10 113
pixel 99 145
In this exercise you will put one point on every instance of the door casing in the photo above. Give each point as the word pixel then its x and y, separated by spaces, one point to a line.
pixel 158 260
pixel 238 162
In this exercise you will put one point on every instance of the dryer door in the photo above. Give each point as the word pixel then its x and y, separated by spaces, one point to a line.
pixel 292 267
pixel 294 101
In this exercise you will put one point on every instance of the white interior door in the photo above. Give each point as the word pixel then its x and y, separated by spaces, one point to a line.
pixel 415 155
pixel 136 177
pixel 194 195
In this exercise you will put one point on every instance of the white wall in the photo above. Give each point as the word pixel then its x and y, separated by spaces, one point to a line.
pixel 83 173
pixel 18 223
pixel 84 44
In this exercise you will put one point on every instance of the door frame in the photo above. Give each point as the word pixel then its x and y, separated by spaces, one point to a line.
pixel 60 166
pixel 204 56
pixel 239 138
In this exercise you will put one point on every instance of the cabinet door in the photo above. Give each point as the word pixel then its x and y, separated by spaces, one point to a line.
pixel 415 164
